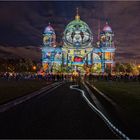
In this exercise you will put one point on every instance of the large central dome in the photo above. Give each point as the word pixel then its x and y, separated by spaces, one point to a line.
pixel 77 33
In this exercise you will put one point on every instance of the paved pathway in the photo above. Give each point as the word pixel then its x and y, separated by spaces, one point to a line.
pixel 62 113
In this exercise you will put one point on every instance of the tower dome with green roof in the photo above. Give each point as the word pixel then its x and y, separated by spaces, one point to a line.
pixel 77 33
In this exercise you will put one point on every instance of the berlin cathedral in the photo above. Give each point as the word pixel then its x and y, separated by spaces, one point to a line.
pixel 78 52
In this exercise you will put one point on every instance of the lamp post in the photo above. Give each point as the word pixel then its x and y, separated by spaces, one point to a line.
pixel 34 68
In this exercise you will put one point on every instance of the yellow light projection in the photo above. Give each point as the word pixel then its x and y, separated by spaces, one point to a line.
pixel 45 39
pixel 108 56
pixel 45 66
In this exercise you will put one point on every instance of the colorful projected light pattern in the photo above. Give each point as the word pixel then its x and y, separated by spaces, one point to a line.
pixel 77 34
pixel 78 50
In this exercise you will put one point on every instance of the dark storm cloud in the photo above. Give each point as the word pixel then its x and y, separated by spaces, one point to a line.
pixel 22 23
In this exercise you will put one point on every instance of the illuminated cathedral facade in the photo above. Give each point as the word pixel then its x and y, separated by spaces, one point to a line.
pixel 78 52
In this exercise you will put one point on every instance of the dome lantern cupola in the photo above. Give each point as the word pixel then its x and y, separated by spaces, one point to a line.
pixel 77 17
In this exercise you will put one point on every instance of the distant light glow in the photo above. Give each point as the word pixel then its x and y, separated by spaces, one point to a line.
pixel 34 67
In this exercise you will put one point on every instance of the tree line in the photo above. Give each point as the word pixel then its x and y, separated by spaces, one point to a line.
pixel 127 68
pixel 19 65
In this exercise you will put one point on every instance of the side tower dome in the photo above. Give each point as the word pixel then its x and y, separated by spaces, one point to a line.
pixel 106 37
pixel 49 36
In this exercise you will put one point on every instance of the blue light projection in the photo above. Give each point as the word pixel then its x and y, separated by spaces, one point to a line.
pixel 78 49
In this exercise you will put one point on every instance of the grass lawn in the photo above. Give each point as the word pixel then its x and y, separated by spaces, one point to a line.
pixel 126 95
pixel 12 89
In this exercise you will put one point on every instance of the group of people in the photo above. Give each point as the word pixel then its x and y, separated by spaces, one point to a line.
pixel 16 76
pixel 115 77
pixel 59 77
pixel 69 77
pixel 32 76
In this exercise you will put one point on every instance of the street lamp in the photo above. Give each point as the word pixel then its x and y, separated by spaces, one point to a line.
pixel 34 68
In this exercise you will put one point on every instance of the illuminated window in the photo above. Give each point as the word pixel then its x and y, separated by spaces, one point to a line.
pixel 107 55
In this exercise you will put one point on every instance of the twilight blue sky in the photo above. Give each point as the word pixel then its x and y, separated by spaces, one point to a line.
pixel 22 25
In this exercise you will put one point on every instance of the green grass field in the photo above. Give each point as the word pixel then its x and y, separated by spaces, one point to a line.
pixel 126 95
pixel 12 89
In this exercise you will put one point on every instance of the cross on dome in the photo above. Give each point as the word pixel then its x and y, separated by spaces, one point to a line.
pixel 106 22
pixel 77 17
